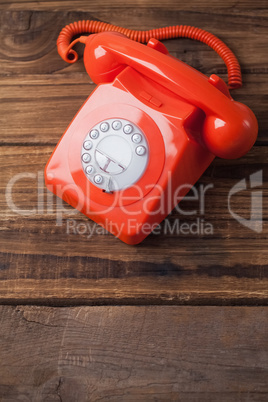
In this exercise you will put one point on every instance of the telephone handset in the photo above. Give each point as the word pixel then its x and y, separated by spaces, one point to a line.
pixel 228 125
pixel 147 132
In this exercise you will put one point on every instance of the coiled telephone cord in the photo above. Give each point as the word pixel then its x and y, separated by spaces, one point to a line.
pixel 65 45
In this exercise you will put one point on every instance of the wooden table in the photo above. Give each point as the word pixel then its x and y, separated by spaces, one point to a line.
pixel 87 318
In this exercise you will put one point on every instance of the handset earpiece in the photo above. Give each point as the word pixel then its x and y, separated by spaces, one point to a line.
pixel 101 64
pixel 233 136
pixel 230 128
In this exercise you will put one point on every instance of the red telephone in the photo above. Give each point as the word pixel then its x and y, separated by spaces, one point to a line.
pixel 148 131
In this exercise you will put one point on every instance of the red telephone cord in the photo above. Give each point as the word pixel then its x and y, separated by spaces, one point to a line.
pixel 65 45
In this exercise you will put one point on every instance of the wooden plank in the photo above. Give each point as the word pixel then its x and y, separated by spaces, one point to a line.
pixel 73 263
pixel 133 354
pixel 29 58
pixel 41 262
pixel 27 101
pixel 28 38
pixel 137 353
pixel 68 80
pixel 84 5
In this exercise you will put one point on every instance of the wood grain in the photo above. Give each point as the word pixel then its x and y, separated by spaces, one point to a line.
pixel 32 73
pixel 40 262
pixel 138 352
pixel 84 5
pixel 28 37
pixel 71 264
pixel 27 101
pixel 133 353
